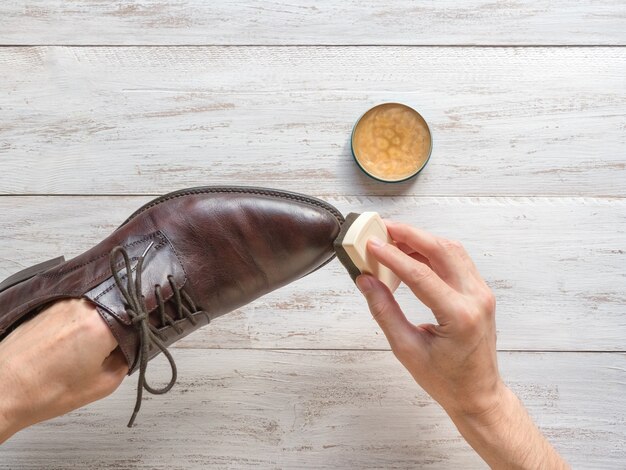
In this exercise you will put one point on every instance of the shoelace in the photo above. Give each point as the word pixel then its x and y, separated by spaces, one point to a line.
pixel 139 316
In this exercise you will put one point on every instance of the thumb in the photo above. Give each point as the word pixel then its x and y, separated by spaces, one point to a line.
pixel 385 310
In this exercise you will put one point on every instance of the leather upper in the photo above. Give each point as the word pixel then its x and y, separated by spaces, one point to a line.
pixel 223 246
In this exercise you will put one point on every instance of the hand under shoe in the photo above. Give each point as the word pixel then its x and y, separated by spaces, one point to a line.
pixel 60 360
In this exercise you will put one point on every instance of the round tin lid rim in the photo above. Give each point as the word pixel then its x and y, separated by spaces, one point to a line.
pixel 378 178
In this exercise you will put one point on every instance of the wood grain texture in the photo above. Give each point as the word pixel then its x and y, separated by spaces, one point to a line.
pixel 323 410
pixel 528 170
pixel 557 266
pixel 299 22
pixel 529 121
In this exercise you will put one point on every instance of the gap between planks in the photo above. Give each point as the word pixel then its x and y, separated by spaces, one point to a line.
pixel 524 351
pixel 598 197
pixel 285 46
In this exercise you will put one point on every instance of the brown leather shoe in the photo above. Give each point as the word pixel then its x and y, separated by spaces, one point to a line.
pixel 180 261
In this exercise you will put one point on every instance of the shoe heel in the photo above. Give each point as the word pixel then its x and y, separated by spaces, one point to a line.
pixel 30 272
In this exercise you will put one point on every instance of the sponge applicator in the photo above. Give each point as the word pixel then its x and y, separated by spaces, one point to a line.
pixel 351 247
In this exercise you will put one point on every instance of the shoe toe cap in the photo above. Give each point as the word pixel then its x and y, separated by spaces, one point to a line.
pixel 236 247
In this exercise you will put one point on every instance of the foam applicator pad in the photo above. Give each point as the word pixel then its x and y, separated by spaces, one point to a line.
pixel 351 247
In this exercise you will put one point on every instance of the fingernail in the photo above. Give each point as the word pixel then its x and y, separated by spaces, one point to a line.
pixel 377 242
pixel 364 283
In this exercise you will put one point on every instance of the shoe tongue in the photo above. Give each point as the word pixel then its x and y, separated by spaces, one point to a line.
pixel 160 262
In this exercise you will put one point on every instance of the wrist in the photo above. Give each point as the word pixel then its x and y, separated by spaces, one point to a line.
pixel 485 411
pixel 484 429
pixel 483 404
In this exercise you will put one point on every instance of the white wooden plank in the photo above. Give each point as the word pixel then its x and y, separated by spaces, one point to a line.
pixel 557 267
pixel 300 22
pixel 323 410
pixel 530 121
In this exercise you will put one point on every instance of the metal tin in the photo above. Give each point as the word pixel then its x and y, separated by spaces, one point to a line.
pixel 377 178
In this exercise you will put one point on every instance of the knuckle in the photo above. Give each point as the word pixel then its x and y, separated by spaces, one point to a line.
pixel 444 243
pixel 451 245
pixel 86 322
pixel 379 309
pixel 469 320
pixel 88 327
pixel 488 301
pixel 419 272
pixel 458 245
pixel 402 350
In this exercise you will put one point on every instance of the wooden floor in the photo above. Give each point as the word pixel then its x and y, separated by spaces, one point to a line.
pixel 105 104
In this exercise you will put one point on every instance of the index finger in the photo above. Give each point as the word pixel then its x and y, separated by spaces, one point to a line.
pixel 448 258
pixel 423 281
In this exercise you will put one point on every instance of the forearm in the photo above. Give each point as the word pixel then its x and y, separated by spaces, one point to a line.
pixel 506 437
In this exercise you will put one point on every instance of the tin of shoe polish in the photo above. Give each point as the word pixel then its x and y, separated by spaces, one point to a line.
pixel 391 142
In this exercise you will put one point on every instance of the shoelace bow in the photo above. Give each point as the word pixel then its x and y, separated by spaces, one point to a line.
pixel 148 334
